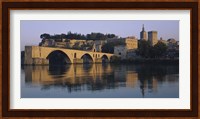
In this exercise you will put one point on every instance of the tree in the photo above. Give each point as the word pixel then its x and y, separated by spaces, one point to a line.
pixel 93 36
pixel 147 51
pixel 159 49
pixel 44 36
pixel 144 49
pixel 70 35
pixel 63 36
pixel 83 37
pixel 57 37
pixel 109 47
pixel 110 35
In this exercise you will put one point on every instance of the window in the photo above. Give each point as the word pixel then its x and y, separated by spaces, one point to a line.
pixel 119 53
pixel 74 55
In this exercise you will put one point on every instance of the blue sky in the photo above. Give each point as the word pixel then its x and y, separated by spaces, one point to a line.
pixel 30 30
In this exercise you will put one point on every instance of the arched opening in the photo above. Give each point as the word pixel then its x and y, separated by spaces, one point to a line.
pixel 104 59
pixel 58 58
pixel 87 58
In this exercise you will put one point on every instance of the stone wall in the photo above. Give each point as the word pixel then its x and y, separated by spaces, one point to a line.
pixel 40 61
pixel 28 55
pixel 78 61
pixel 33 56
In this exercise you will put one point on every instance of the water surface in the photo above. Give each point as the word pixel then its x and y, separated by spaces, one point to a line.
pixel 100 81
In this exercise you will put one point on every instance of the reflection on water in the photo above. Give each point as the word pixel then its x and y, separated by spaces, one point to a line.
pixel 100 81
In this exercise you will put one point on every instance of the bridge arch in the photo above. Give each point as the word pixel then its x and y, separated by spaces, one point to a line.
pixel 58 57
pixel 105 59
pixel 87 58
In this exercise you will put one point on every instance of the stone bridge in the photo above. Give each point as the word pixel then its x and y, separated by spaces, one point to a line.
pixel 50 55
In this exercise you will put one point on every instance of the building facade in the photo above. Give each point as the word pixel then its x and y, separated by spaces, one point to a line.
pixel 127 50
pixel 131 43
pixel 153 37
pixel 120 51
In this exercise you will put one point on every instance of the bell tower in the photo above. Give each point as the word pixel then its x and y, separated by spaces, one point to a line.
pixel 143 34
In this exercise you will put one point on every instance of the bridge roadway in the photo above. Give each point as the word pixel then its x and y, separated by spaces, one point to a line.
pixel 45 55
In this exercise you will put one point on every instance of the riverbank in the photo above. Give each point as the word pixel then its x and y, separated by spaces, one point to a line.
pixel 146 61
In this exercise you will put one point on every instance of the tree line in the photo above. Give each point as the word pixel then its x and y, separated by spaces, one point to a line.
pixel 78 36
pixel 146 50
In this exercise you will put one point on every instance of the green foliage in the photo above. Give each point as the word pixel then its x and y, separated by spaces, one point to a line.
pixel 44 36
pixel 70 35
pixel 159 49
pixel 145 50
pixel 109 47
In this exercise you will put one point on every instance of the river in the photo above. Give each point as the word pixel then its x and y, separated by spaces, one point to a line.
pixel 100 81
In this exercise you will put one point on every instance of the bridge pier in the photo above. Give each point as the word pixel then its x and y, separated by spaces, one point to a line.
pixel 98 60
pixel 77 61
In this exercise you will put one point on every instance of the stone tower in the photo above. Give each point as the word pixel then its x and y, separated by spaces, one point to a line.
pixel 143 34
pixel 152 37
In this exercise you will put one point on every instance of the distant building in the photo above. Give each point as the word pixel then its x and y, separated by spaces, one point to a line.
pixel 120 51
pixel 127 50
pixel 152 37
pixel 172 48
pixel 143 34
pixel 131 43
pixel 171 40
pixel 172 44
pixel 163 41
